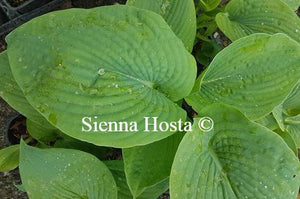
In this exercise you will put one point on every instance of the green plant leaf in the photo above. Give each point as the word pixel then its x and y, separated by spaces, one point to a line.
pixel 20 187
pixel 71 143
pixel 64 173
pixel 118 63
pixel 289 140
pixel 245 17
pixel 41 133
pixel 287 123
pixel 180 15
pixel 268 121
pixel 255 79
pixel 271 123
pixel 12 94
pixel 236 159
pixel 154 191
pixel 9 158
pixel 293 4
pixel 148 165
pixel 208 5
pixel 293 127
pixel 287 114
pixel 207 52
pixel 291 106
pixel 117 169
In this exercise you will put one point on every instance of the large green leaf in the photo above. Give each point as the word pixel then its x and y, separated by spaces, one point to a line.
pixel 119 63
pixel 236 159
pixel 180 15
pixel 9 158
pixel 254 74
pixel 148 165
pixel 117 169
pixel 64 174
pixel 12 94
pixel 209 5
pixel 245 17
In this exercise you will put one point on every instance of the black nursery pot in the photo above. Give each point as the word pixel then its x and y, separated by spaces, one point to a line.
pixel 22 7
pixel 3 17
pixel 13 15
pixel 15 129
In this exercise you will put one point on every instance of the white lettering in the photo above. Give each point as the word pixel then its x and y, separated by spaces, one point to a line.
pixel 87 124
pixel 147 124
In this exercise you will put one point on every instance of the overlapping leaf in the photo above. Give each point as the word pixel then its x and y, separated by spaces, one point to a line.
pixel 209 5
pixel 118 63
pixel 40 132
pixel 289 140
pixel 293 4
pixel 117 169
pixel 245 17
pixel 64 173
pixel 12 94
pixel 236 159
pixel 254 74
pixel 180 15
pixel 67 142
pixel 148 165
pixel 9 158
pixel 287 114
pixel 291 106
pixel 269 121
pixel 292 125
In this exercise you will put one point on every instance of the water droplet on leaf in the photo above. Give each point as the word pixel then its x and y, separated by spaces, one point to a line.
pixel 101 71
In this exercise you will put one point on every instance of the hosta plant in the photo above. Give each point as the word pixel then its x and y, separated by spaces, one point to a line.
pixel 73 73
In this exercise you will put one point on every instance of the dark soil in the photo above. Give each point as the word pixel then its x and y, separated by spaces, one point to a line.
pixel 2 44
pixel 7 185
pixel 8 179
pixel 114 154
pixel 165 195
